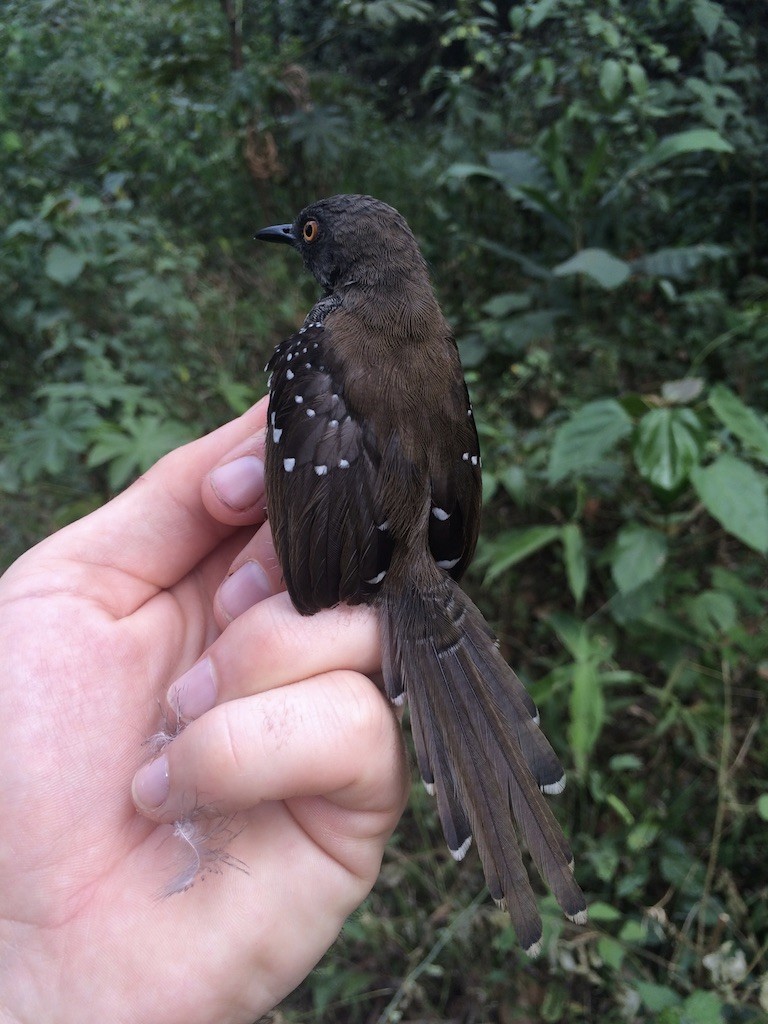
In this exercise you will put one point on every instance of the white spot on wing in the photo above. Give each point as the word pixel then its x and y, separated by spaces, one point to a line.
pixel 440 513
pixel 277 433
pixel 288 464
pixel 310 413
pixel 378 578
pixel 321 470
pixel 343 464
pixel 429 786
pixel 298 399
pixel 384 525
pixel 289 374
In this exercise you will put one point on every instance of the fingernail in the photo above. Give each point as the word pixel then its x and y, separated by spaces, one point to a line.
pixel 243 589
pixel 240 483
pixel 193 693
pixel 151 784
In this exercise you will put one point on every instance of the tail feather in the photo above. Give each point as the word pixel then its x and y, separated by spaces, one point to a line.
pixel 478 743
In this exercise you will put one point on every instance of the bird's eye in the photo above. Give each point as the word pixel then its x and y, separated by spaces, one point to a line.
pixel 311 231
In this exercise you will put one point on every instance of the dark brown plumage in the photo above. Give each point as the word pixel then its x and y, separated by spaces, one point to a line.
pixel 373 493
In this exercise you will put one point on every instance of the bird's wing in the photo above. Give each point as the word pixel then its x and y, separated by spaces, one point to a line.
pixel 456 484
pixel 323 497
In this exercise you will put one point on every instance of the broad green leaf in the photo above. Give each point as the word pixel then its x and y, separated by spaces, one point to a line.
pixel 599 911
pixel 513 479
pixel 683 391
pixel 762 806
pixel 656 997
pixel 582 442
pixel 637 78
pixel 712 612
pixel 701 1008
pixel 742 421
pixel 610 950
pixel 642 836
pixel 575 558
pixel 735 494
pixel 639 554
pixel 63 265
pixel 695 140
pixel 132 447
pixel 540 10
pixel 572 633
pixel 517 168
pixel 602 266
pixel 611 79
pixel 634 932
pixel 667 446
pixel 708 16
pixel 512 547
pixel 677 263
pixel 510 302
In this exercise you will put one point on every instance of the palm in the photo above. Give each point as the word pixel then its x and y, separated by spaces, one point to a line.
pixel 92 632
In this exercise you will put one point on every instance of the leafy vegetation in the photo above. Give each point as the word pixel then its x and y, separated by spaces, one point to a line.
pixel 588 183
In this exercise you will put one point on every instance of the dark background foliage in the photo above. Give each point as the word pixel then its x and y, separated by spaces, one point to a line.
pixel 588 182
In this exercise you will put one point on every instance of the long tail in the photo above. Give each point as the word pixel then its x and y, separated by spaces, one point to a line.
pixel 479 746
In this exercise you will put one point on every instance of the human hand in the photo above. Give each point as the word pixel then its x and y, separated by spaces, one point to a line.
pixel 287 736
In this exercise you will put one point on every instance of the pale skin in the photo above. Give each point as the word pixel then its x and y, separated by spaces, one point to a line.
pixel 286 733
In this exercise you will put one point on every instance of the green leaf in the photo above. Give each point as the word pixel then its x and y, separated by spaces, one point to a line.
pixel 602 266
pixel 637 78
pixel 587 705
pixel 581 443
pixel 63 265
pixel 683 391
pixel 510 302
pixel 695 140
pixel 656 997
pixel 599 911
pixel 515 545
pixel 762 806
pixel 701 1008
pixel 742 421
pixel 518 168
pixel 668 445
pixel 587 711
pixel 677 263
pixel 611 79
pixel 643 835
pixel 575 558
pixel 639 554
pixel 712 612
pixel 610 950
pixel 133 446
pixel 735 494
pixel 708 16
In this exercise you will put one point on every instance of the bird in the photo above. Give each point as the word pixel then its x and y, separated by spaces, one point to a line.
pixel 373 490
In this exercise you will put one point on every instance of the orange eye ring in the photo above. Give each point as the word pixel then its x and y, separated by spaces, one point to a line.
pixel 310 231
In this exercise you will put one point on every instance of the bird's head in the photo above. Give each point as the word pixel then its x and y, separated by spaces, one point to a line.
pixel 353 240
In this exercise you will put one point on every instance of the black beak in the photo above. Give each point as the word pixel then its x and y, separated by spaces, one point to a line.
pixel 277 233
